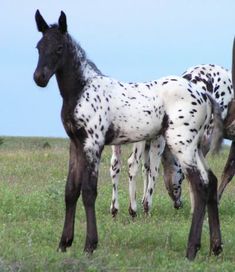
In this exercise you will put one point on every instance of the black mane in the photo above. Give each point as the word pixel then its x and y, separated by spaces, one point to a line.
pixel 78 51
pixel 81 54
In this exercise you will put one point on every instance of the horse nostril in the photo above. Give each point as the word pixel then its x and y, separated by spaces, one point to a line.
pixel 40 78
pixel 178 204
pixel 36 76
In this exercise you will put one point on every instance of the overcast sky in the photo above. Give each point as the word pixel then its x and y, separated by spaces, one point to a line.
pixel 131 40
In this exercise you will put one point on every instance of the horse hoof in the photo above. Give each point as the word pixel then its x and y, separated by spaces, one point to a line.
pixel 114 212
pixel 146 207
pixel 89 249
pixel 64 243
pixel 61 249
pixel 191 256
pixel 132 213
pixel 217 249
pixel 192 252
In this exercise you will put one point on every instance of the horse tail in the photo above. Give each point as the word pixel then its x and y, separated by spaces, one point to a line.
pixel 218 126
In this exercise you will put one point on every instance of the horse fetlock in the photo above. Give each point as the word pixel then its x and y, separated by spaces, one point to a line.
pixel 114 211
pixel 146 206
pixel 192 251
pixel 178 204
pixel 132 211
pixel 64 243
pixel 90 245
pixel 217 247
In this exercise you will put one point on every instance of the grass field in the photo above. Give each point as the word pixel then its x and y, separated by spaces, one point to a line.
pixel 32 178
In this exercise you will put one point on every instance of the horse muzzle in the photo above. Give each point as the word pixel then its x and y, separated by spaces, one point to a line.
pixel 42 77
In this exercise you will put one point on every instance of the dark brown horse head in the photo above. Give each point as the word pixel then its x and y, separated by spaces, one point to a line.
pixel 51 48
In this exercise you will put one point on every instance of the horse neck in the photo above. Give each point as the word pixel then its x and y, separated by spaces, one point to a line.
pixel 75 73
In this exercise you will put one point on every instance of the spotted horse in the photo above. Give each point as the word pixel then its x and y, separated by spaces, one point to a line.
pixel 98 110
pixel 218 82
pixel 215 80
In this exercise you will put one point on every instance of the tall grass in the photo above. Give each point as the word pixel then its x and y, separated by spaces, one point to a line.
pixel 32 179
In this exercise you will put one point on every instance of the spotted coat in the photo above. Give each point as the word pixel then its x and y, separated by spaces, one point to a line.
pixel 213 79
pixel 98 110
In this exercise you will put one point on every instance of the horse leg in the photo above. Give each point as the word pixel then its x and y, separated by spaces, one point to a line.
pixel 155 153
pixel 173 177
pixel 196 171
pixel 204 149
pixel 72 193
pixel 145 169
pixel 204 189
pixel 191 196
pixel 89 194
pixel 229 170
pixel 114 173
pixel 229 133
pixel 133 164
pixel 213 215
pixel 200 193
pixel 212 208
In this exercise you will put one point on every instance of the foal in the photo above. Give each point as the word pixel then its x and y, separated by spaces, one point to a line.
pixel 98 110
pixel 215 80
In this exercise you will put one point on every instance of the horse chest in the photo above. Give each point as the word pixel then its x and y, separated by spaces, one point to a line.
pixel 70 124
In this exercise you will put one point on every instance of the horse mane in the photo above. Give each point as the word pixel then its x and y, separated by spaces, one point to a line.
pixel 81 54
pixel 78 51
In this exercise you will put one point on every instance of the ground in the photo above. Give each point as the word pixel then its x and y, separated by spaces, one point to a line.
pixel 32 179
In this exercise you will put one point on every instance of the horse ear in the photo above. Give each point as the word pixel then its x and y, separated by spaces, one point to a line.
pixel 41 23
pixel 63 22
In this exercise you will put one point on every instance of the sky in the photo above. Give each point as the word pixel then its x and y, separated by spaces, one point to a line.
pixel 130 40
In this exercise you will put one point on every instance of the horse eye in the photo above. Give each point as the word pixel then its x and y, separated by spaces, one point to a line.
pixel 59 50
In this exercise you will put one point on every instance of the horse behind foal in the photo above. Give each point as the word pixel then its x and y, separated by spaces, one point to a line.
pixel 98 110
pixel 213 79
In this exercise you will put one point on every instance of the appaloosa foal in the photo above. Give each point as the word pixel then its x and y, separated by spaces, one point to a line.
pixel 218 82
pixel 99 110
pixel 215 80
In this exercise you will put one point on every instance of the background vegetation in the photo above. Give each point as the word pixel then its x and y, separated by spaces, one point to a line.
pixel 32 179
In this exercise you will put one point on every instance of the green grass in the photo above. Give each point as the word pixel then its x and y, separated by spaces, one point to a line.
pixel 32 177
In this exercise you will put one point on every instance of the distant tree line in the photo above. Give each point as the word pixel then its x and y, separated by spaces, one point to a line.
pixel 1 140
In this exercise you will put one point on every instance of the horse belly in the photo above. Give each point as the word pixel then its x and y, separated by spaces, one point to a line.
pixel 136 119
pixel 136 127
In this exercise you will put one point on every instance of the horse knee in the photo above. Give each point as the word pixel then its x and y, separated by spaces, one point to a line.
pixel 198 185
pixel 115 161
pixel 212 186
pixel 72 193
pixel 133 164
pixel 89 193
pixel 89 197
